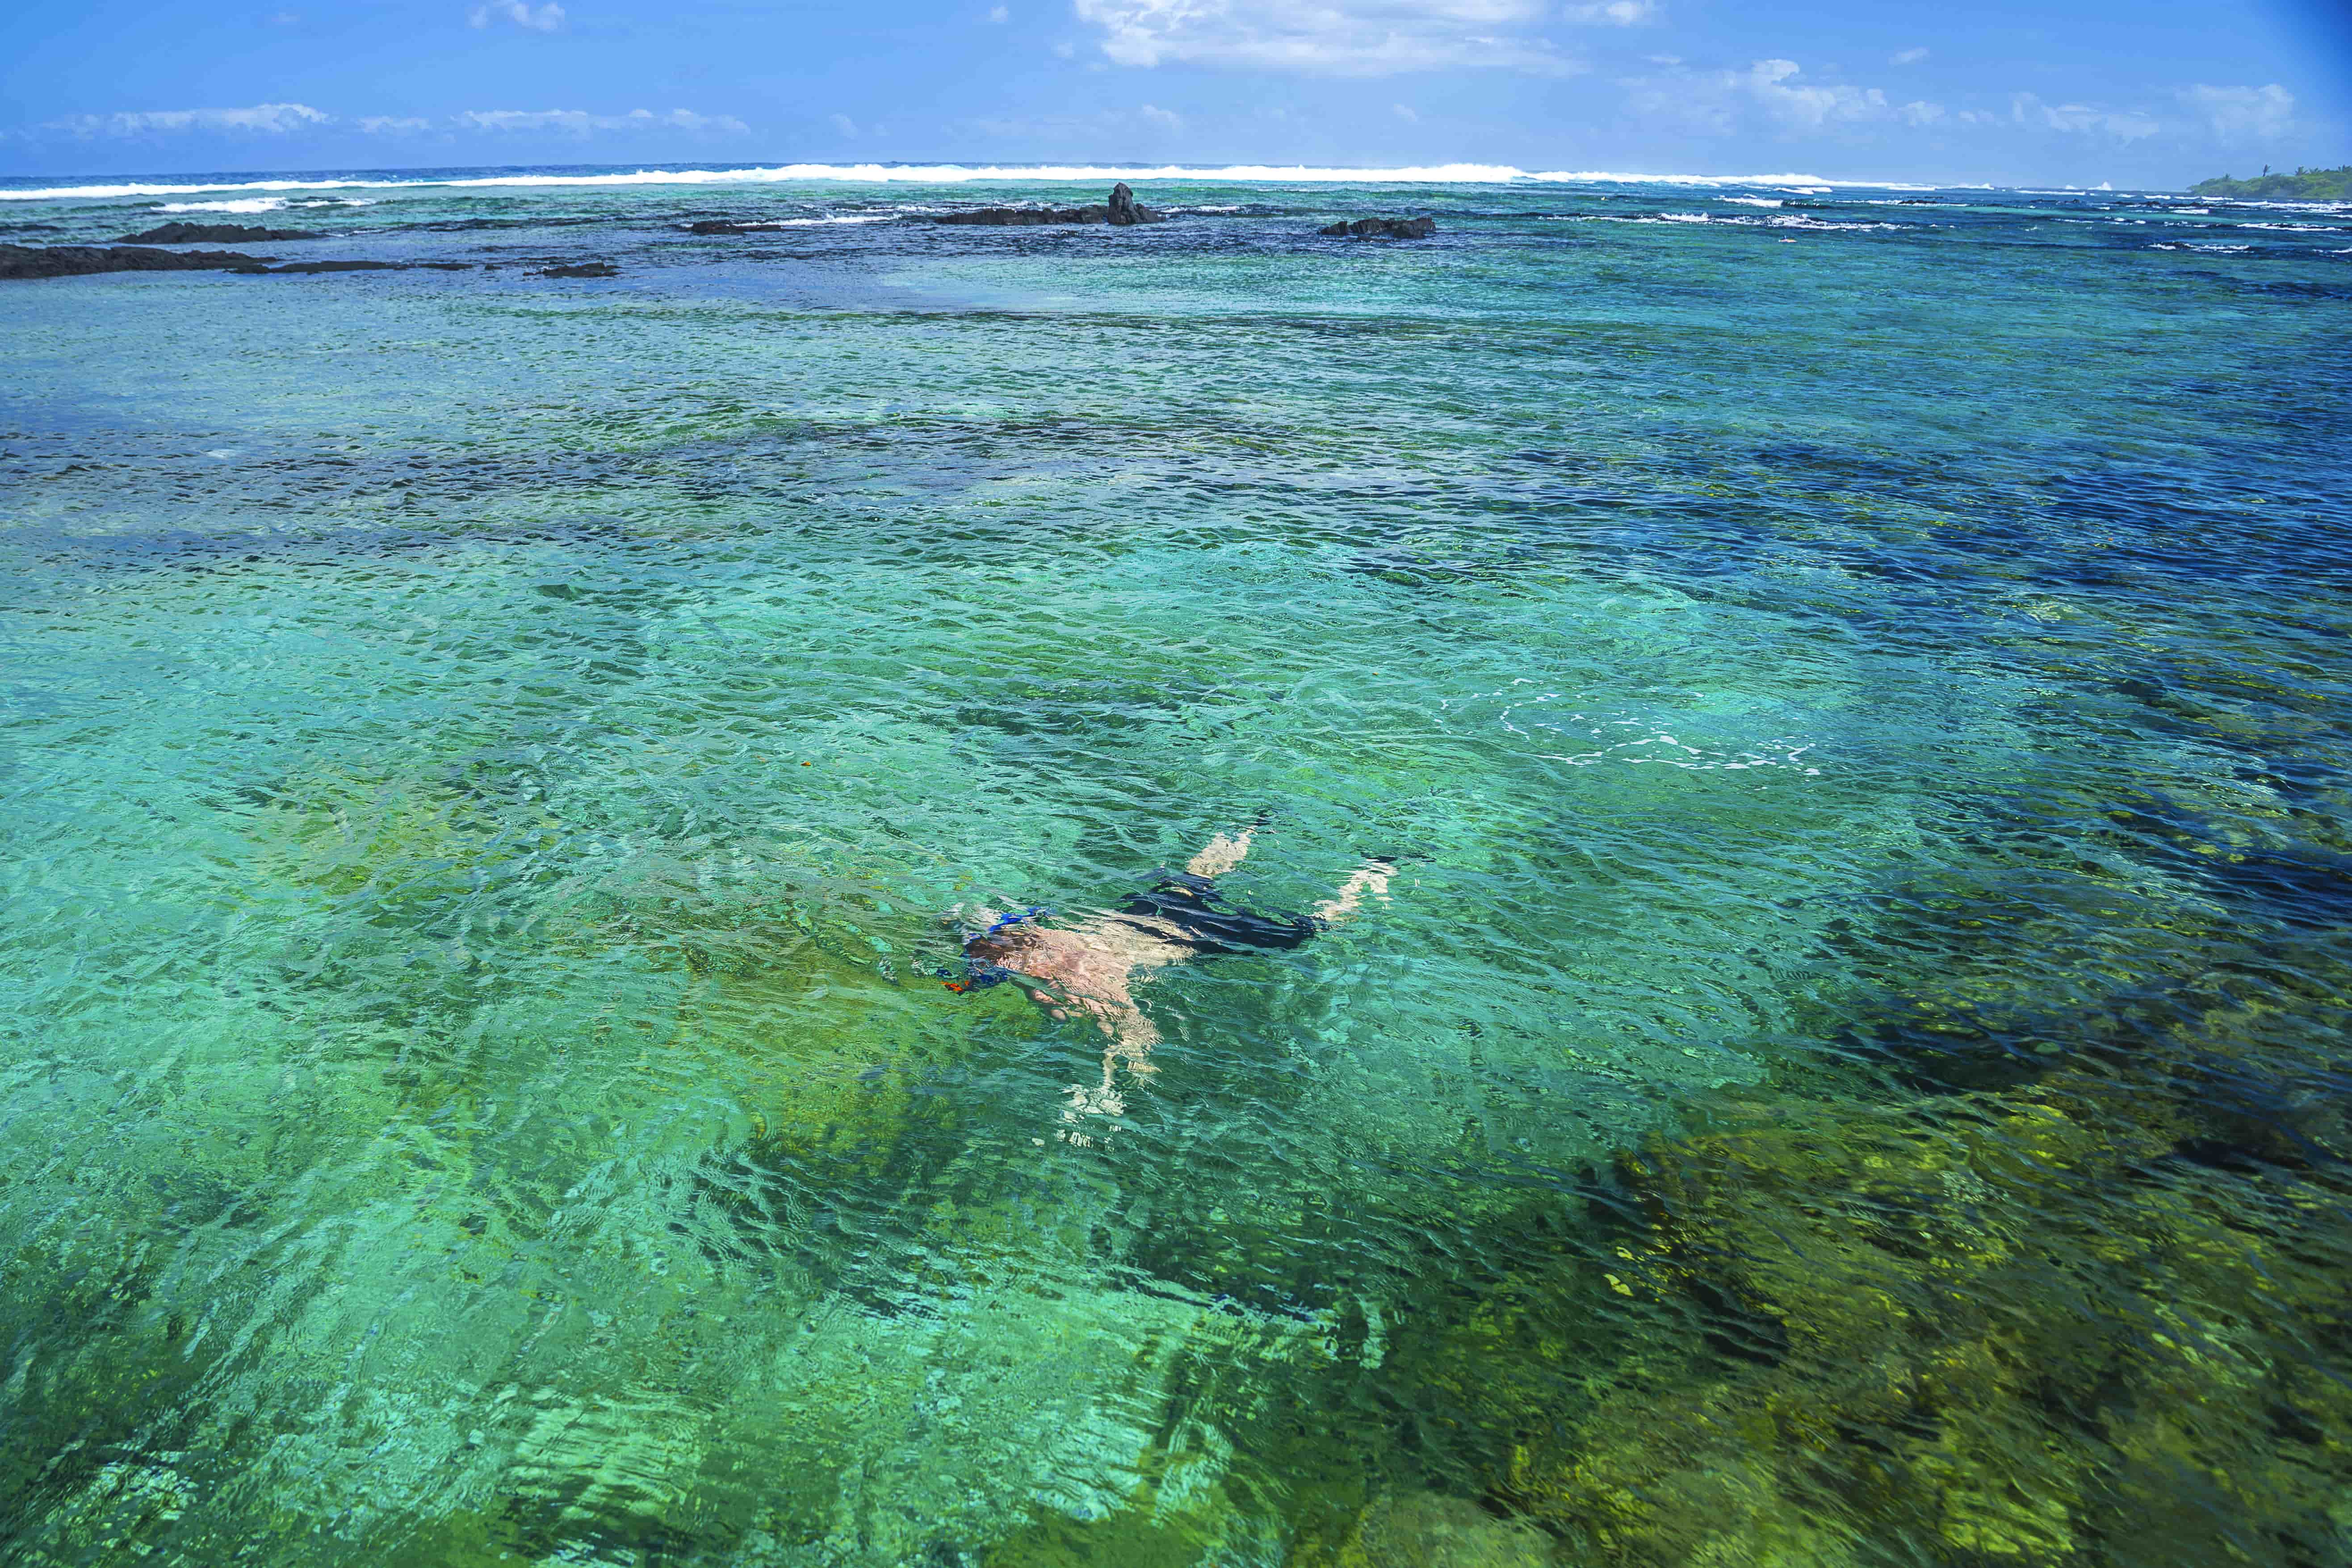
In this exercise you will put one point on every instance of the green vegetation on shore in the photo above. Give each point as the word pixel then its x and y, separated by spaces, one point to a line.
pixel 2302 185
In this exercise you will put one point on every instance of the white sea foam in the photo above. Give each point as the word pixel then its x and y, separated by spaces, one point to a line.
pixel 1755 201
pixel 813 222
pixel 249 205
pixel 1732 220
pixel 2298 206
pixel 1797 220
pixel 961 174
pixel 263 204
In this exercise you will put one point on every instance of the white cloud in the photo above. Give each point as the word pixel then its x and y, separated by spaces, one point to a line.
pixel 1908 57
pixel 1776 92
pixel 1330 37
pixel 843 124
pixel 1724 100
pixel 287 19
pixel 544 19
pixel 2260 113
pixel 1114 123
pixel 1405 114
pixel 267 118
pixel 2080 119
pixel 580 122
pixel 1000 16
pixel 1611 13
pixel 1772 84
pixel 278 119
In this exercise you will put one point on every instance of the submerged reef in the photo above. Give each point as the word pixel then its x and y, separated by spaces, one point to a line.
pixel 2083 1321
pixel 2024 1328
pixel 23 261
pixel 1380 229
pixel 2037 1258
pixel 212 234
pixel 19 262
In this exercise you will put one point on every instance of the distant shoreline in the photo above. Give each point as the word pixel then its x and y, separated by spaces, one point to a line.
pixel 2302 185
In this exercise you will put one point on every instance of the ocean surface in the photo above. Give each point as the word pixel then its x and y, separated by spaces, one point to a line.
pixel 1852 1068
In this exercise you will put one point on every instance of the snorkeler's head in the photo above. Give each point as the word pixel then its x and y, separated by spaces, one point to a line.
pixel 990 956
pixel 988 949
pixel 1013 926
pixel 1000 946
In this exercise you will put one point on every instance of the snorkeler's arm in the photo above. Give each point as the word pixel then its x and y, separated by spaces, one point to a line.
pixel 1372 877
pixel 1124 1022
pixel 1221 854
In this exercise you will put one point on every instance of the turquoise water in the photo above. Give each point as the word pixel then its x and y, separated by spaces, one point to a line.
pixel 1857 1073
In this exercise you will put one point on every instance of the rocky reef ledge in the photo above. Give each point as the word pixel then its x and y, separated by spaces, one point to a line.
pixel 213 234
pixel 1381 229
pixel 20 262
pixel 1121 211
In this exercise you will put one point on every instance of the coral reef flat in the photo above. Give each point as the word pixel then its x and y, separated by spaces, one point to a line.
pixel 1842 1063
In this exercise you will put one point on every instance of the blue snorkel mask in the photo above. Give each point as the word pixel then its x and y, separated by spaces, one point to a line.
pixel 979 973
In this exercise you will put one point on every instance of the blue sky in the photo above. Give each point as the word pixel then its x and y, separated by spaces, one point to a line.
pixel 2139 92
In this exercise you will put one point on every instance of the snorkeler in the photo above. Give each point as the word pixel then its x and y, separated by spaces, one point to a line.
pixel 1092 967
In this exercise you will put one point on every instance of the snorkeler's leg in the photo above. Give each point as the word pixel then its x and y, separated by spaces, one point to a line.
pixel 1372 877
pixel 1103 1101
pixel 1132 1036
pixel 1221 854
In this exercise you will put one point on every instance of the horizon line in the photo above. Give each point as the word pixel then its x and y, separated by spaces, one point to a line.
pixel 95 187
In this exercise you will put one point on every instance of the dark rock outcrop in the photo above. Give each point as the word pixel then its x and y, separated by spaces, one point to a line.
pixel 20 261
pixel 1017 218
pixel 727 226
pixel 1122 210
pixel 1381 229
pixel 580 269
pixel 212 234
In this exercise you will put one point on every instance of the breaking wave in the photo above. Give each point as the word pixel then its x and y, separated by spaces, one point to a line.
pixel 951 174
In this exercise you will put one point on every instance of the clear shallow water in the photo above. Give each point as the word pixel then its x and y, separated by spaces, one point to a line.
pixel 1858 1077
